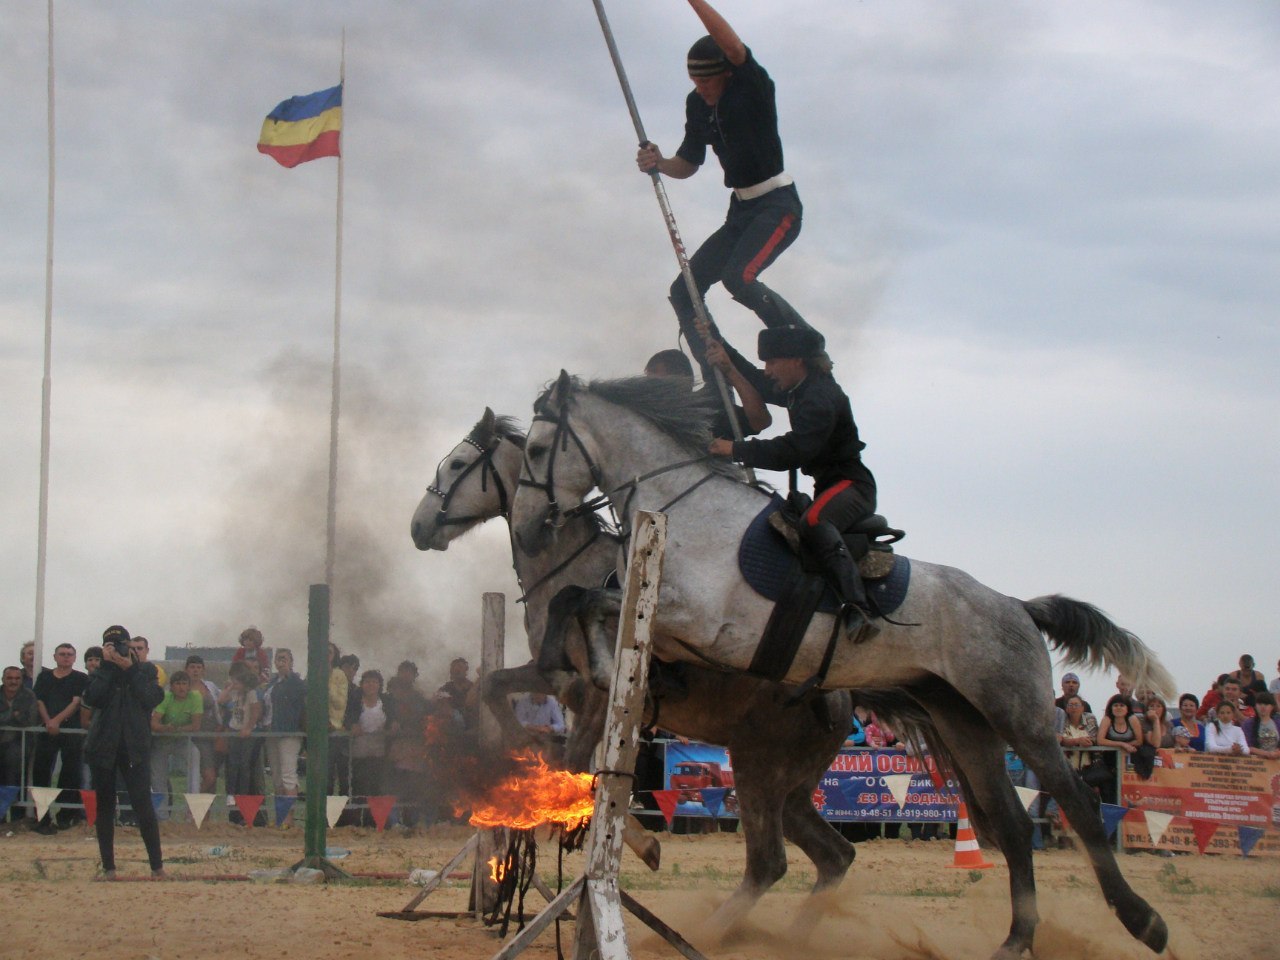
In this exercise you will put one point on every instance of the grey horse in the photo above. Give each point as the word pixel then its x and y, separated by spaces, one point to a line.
pixel 973 659
pixel 780 752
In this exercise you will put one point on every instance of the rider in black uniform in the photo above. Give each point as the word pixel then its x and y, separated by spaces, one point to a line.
pixel 732 109
pixel 823 443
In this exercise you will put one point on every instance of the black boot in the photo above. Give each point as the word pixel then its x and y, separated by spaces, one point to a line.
pixel 828 547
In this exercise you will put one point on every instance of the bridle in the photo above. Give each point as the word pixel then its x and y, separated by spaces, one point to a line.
pixel 485 464
pixel 564 432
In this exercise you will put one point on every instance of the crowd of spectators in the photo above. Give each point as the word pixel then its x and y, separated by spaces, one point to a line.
pixel 250 733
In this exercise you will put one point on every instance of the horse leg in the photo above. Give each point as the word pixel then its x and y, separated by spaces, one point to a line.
pixel 1042 753
pixel 998 815
pixel 832 854
pixel 495 690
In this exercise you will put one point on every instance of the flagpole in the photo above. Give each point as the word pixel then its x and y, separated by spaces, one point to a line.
pixel 46 386
pixel 335 399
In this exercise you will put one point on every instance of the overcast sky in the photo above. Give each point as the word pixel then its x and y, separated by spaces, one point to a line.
pixel 1042 241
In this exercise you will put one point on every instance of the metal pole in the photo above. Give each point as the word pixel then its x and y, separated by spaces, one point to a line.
pixel 331 516
pixel 699 307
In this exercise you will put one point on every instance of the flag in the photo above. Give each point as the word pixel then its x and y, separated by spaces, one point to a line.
pixel 303 128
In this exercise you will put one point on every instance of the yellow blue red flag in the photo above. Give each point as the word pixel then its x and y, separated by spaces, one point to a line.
pixel 303 128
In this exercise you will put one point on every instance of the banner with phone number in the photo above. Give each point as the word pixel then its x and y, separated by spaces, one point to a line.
pixel 859 786
pixel 1230 791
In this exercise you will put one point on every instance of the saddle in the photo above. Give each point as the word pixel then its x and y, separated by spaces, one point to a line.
pixel 773 561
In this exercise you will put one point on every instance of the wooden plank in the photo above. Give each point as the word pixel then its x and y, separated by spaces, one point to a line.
pixel 539 923
pixel 440 877
pixel 667 933
pixel 492 843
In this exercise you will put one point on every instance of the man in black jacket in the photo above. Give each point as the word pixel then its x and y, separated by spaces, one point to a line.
pixel 123 693
pixel 823 443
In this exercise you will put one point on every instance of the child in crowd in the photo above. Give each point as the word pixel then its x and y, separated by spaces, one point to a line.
pixel 179 712
pixel 251 641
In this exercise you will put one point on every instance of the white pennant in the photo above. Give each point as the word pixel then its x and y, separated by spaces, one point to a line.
pixel 1158 823
pixel 44 797
pixel 198 804
pixel 333 807
pixel 1027 795
pixel 899 784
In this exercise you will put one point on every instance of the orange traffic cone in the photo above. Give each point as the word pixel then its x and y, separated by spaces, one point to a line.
pixel 968 856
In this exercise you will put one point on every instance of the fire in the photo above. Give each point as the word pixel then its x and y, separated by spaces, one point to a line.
pixel 535 794
pixel 497 869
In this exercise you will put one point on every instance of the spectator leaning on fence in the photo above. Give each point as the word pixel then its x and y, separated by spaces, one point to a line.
pixel 242 705
pixel 1080 730
pixel 1263 737
pixel 1156 727
pixel 17 709
pixel 179 712
pixel 203 776
pixel 58 695
pixel 368 718
pixel 1223 734
pixel 285 707
pixel 1119 729
pixel 1188 731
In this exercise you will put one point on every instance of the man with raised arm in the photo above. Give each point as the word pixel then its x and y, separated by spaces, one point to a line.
pixel 823 443
pixel 732 110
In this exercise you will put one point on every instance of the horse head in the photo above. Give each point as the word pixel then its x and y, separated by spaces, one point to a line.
pixel 558 470
pixel 473 483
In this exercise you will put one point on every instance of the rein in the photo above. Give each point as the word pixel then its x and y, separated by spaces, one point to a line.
pixel 487 469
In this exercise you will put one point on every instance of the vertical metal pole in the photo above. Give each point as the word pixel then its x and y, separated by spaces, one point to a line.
pixel 699 306
pixel 317 720
pixel 335 405
pixel 490 843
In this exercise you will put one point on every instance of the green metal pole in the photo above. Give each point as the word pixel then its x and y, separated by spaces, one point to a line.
pixel 317 720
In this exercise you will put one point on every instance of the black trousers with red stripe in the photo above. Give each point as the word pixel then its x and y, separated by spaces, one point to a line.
pixel 754 233
pixel 842 505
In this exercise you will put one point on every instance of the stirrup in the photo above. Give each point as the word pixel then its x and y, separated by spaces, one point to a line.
pixel 857 623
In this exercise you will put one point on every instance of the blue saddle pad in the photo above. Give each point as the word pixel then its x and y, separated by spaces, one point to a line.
pixel 766 560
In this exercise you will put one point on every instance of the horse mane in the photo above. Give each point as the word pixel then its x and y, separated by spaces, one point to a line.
pixel 504 428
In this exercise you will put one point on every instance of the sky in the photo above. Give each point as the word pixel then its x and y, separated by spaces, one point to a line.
pixel 1041 240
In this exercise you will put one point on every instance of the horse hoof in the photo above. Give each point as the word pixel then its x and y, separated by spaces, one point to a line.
pixel 653 856
pixel 1156 936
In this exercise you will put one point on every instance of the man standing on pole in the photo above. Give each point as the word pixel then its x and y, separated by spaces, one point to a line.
pixel 732 109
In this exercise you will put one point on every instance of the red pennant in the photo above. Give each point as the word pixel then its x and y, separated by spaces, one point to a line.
pixel 90 800
pixel 667 800
pixel 248 806
pixel 1204 831
pixel 380 807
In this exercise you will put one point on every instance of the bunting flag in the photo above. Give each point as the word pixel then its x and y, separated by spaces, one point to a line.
pixel 851 790
pixel 7 796
pixel 248 805
pixel 157 798
pixel 1204 831
pixel 90 800
pixel 380 807
pixel 199 804
pixel 666 801
pixel 44 798
pixel 1157 824
pixel 303 128
pixel 283 807
pixel 713 799
pixel 1112 814
pixel 1028 796
pixel 1247 837
pixel 333 807
pixel 899 785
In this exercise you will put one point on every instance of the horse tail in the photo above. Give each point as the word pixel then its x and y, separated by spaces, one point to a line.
pixel 1087 637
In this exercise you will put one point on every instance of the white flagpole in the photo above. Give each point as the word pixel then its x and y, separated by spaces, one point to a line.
pixel 46 391
pixel 335 401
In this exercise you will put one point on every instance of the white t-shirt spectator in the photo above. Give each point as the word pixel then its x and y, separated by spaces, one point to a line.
pixel 1218 738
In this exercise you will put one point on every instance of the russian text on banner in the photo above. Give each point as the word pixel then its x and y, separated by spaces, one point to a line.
pixel 303 128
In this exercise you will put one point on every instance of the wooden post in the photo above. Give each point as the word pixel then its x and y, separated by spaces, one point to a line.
pixel 494 842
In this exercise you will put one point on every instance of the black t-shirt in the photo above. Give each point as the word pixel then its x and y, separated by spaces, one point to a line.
pixel 56 693
pixel 742 128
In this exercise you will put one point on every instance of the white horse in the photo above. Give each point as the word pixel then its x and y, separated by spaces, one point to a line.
pixel 972 658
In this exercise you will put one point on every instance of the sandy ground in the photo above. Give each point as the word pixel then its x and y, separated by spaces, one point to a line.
pixel 900 902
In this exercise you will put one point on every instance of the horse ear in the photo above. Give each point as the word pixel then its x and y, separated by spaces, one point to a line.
pixel 563 386
pixel 487 421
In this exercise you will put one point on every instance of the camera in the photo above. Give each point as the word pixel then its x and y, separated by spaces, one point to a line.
pixel 117 637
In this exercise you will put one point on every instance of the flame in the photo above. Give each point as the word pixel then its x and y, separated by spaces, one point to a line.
pixel 497 869
pixel 535 794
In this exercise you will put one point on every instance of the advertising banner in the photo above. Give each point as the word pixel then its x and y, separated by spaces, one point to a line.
pixel 1214 800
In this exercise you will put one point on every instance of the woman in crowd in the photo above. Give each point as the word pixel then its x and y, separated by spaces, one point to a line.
pixel 284 706
pixel 1264 736
pixel 202 758
pixel 242 709
pixel 367 720
pixel 1156 728
pixel 1222 735
pixel 1188 731
pixel 1118 729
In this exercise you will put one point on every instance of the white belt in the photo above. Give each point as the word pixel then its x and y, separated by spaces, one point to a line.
pixel 763 187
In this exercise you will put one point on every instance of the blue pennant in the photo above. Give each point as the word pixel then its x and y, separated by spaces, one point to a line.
pixel 1247 837
pixel 7 796
pixel 713 799
pixel 283 806
pixel 157 798
pixel 1112 814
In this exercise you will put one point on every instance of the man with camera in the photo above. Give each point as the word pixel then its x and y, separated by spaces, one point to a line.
pixel 123 693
